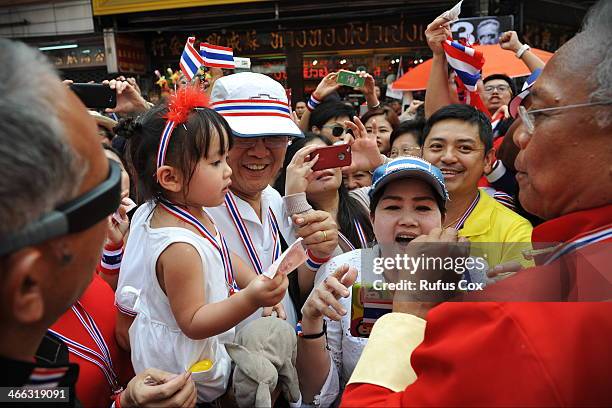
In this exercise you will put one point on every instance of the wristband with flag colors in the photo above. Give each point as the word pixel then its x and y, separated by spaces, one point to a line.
pixel 313 263
pixel 312 103
pixel 110 262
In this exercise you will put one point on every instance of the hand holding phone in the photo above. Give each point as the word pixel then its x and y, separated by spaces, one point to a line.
pixel 331 157
pixel 350 78
pixel 95 96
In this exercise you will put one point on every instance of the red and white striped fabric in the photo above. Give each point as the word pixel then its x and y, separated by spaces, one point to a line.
pixel 467 62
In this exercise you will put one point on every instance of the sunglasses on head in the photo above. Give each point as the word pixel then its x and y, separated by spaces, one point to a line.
pixel 74 216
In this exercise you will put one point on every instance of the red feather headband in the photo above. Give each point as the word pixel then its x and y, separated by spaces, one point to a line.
pixel 179 107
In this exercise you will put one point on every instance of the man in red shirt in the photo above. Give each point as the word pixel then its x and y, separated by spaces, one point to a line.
pixel 517 354
pixel 58 189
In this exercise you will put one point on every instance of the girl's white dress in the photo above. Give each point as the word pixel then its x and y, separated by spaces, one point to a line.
pixel 155 338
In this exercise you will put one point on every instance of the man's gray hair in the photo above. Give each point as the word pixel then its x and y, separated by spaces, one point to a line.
pixel 597 29
pixel 39 168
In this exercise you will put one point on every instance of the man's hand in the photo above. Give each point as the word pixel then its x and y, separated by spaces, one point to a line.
pixel 323 300
pixel 166 390
pixel 129 99
pixel 509 41
pixel 319 231
pixel 364 147
pixel 436 33
pixel 503 271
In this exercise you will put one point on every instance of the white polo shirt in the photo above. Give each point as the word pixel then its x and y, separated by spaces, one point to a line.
pixel 261 235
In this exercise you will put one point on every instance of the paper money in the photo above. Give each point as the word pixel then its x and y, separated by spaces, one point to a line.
pixel 293 257
pixel 452 14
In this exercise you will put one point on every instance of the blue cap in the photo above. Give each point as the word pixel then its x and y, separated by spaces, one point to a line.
pixel 409 167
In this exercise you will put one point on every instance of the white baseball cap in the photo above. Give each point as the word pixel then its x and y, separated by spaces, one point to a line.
pixel 254 105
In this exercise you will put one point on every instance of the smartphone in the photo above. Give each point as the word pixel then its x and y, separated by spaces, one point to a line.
pixel 95 96
pixel 350 78
pixel 367 306
pixel 331 157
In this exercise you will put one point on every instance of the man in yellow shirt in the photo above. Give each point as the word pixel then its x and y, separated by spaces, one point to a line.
pixel 458 140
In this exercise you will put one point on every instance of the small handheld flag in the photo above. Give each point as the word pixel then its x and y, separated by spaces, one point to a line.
pixel 217 56
pixel 190 59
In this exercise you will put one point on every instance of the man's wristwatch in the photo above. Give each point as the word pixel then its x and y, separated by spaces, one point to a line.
pixel 522 50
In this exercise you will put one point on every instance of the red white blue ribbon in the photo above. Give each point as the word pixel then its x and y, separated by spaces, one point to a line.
pixel 220 246
pixel 164 141
pixel 245 236
pixel 46 377
pixel 361 234
pixel 252 107
pixel 467 213
pixel 362 238
pixel 581 241
pixel 103 358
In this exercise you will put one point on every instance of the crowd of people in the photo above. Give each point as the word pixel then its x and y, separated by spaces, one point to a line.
pixel 135 254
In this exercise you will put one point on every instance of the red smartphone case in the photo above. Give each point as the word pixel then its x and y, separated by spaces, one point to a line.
pixel 331 157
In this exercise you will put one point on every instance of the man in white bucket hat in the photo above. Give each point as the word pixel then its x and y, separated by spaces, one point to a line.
pixel 251 218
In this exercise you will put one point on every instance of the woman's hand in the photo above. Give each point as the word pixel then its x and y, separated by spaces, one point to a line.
pixel 364 147
pixel 323 300
pixel 299 172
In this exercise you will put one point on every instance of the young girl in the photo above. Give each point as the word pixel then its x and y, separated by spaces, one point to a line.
pixel 189 300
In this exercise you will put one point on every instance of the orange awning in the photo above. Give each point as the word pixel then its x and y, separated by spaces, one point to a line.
pixel 497 61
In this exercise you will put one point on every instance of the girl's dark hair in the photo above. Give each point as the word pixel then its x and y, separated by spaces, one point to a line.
pixel 349 209
pixel 189 143
pixel 385 111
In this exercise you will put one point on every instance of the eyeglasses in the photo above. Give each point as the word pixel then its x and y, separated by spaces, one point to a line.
pixel 500 88
pixel 405 151
pixel 337 130
pixel 76 215
pixel 529 117
pixel 270 142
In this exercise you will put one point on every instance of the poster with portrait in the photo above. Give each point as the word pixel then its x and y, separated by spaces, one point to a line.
pixel 482 30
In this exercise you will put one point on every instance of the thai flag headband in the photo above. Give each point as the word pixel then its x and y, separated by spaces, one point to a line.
pixel 180 106
pixel 252 107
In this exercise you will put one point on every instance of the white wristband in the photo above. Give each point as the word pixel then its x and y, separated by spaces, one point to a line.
pixel 522 50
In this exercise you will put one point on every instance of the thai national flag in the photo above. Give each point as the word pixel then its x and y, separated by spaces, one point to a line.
pixel 191 60
pixel 467 63
pixel 217 56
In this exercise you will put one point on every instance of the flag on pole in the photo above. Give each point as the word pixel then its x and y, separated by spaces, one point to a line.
pixel 391 91
pixel 191 60
pixel 467 62
pixel 217 56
